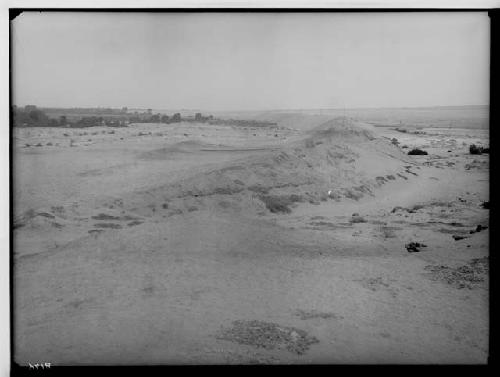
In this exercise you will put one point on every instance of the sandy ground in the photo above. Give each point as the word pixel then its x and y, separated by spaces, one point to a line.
pixel 194 243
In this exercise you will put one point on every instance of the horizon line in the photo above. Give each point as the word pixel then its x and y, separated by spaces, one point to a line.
pixel 261 110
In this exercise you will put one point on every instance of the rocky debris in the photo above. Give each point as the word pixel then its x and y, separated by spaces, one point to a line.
pixel 414 247
pixel 413 209
pixel 458 238
pixel 417 151
pixel 268 335
pixel 474 149
pixel 478 229
pixel 465 276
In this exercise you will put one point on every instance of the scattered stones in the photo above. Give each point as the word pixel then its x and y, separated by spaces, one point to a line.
pixel 268 335
pixel 414 247
pixel 465 276
pixel 458 238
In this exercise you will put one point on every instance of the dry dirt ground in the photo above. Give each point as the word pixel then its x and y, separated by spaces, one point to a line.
pixel 195 243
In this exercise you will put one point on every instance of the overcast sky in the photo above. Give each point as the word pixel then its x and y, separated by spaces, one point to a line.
pixel 240 61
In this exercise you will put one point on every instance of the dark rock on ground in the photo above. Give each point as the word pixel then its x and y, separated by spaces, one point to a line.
pixel 417 151
pixel 478 229
pixel 474 149
pixel 414 247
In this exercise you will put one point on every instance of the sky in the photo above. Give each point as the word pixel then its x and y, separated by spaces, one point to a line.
pixel 250 61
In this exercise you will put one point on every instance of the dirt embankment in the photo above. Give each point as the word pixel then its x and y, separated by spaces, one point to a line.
pixel 333 162
pixel 338 160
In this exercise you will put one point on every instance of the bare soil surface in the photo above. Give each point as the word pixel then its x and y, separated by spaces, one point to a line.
pixel 195 243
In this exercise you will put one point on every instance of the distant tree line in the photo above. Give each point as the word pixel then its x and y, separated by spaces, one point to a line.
pixel 31 116
pixel 88 110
